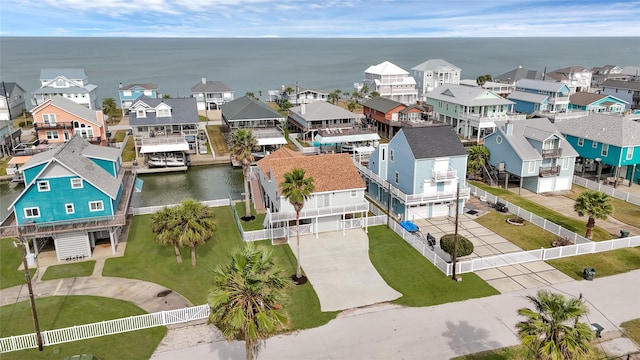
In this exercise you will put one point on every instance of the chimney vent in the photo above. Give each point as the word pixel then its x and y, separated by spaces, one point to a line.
pixel 204 80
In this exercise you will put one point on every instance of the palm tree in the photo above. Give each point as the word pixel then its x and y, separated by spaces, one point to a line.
pixel 364 91
pixel 247 297
pixel 351 106
pixel 552 330
pixel 478 156
pixel 333 97
pixel 241 145
pixel 108 106
pixel 296 189
pixel 194 225
pixel 374 94
pixel 162 226
pixel 596 205
pixel 480 80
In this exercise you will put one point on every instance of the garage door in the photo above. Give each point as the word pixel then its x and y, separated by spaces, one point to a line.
pixel 563 183
pixel 418 212
pixel 72 245
pixel 440 210
pixel 545 185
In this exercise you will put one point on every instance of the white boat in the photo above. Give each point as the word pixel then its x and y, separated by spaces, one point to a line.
pixel 167 160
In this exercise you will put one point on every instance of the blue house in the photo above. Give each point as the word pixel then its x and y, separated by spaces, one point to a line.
pixel 422 166
pixel 599 103
pixel 532 96
pixel 75 195
pixel 534 151
pixel 608 144
pixel 129 93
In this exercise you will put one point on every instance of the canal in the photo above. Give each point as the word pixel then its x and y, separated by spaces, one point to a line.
pixel 207 182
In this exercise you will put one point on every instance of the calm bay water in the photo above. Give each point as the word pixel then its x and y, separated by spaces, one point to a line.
pixel 176 64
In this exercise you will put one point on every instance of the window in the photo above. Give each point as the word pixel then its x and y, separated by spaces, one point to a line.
pixel 43 186
pixel 565 163
pixel 33 212
pixel 69 208
pixel 594 144
pixel 96 205
pixel 61 83
pixel 383 153
pixel 397 177
pixel 532 166
pixel 354 193
pixel 629 153
pixel 49 118
pixel 163 112
pixel 580 141
pixel 52 135
pixel 141 113
pixel 391 155
pixel 76 183
pixel 605 149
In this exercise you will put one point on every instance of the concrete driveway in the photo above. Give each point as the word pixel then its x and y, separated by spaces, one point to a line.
pixel 340 271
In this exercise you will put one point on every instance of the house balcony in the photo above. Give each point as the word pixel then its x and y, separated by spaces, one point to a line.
pixel 558 100
pixel 444 175
pixel 317 212
pixel 478 118
pixel 417 199
pixel 551 153
pixel 53 125
pixel 548 171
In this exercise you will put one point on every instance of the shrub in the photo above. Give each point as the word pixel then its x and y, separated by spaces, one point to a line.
pixel 29 122
pixel 464 246
pixel 21 124
pixel 561 241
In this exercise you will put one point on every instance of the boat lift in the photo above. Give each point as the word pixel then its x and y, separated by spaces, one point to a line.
pixel 415 229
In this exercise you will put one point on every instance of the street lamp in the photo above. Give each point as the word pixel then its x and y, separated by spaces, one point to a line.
pixel 27 275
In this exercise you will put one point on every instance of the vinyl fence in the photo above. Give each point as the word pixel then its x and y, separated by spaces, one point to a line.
pixel 613 192
pixel 109 327
pixel 152 209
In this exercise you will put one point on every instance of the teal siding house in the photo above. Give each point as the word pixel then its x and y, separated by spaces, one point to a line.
pixel 532 96
pixel 422 166
pixel 535 152
pixel 598 103
pixel 607 144
pixel 76 196
pixel 129 93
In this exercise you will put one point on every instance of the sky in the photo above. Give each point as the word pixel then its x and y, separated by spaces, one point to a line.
pixel 319 18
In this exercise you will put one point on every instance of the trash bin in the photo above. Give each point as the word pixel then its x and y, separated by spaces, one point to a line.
pixel 31 260
pixel 624 233
pixel 589 273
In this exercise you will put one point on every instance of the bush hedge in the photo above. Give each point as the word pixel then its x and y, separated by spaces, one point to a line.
pixel 464 246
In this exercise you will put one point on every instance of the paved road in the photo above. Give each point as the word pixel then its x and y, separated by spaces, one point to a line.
pixel 437 332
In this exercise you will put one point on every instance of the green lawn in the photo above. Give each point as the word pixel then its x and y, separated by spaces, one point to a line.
pixel 79 269
pixel 63 311
pixel 420 282
pixel 605 263
pixel 255 224
pixel 11 260
pixel 517 352
pixel 119 136
pixel 217 139
pixel 3 165
pixel 129 153
pixel 575 225
pixel 632 329
pixel 526 237
pixel 622 210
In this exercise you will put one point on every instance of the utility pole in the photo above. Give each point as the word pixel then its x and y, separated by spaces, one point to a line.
pixel 27 276
pixel 455 236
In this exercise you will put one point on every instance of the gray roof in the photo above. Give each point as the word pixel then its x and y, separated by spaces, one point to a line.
pixel 5 123
pixel 435 65
pixel 246 108
pixel 8 87
pixel 433 141
pixel 322 110
pixel 551 86
pixel 519 73
pixel 607 129
pixel 466 95
pixel 183 111
pixel 48 74
pixel 620 84
pixel 382 104
pixel 145 86
pixel 528 97
pixel 538 129
pixel 210 87
pixel 74 156
pixel 76 109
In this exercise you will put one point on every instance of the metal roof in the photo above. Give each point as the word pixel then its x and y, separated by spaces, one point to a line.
pixel 436 65
pixel 321 110
pixel 467 95
pixel 551 86
pixel 71 74
pixel 386 68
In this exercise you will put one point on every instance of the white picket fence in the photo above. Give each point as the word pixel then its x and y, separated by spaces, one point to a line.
pixel 103 328
pixel 611 191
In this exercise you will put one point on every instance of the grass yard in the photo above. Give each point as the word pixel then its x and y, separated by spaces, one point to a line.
pixel 79 269
pixel 632 329
pixel 527 237
pixel 11 260
pixel 217 139
pixel 4 162
pixel 119 136
pixel 63 311
pixel 420 282
pixel 255 224
pixel 129 153
pixel 622 210
pixel 575 225
pixel 517 352
pixel 605 263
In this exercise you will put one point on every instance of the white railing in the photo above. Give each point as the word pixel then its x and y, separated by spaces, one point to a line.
pixel 104 328
pixel 323 211
pixel 438 196
pixel 307 150
pixel 444 175
pixel 152 209
pixel 487 118
pixel 613 192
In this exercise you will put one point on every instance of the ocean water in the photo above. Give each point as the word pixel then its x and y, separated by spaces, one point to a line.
pixel 176 64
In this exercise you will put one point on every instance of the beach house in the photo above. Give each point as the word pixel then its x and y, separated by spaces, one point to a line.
pixel 433 73
pixel 628 91
pixel 265 123
pixel 598 103
pixel 211 94
pixel 532 96
pixel 129 93
pixel 390 81
pixel 12 97
pixel 72 84
pixel 577 78
pixel 389 116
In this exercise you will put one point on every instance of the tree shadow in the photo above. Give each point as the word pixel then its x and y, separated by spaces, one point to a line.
pixel 466 339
